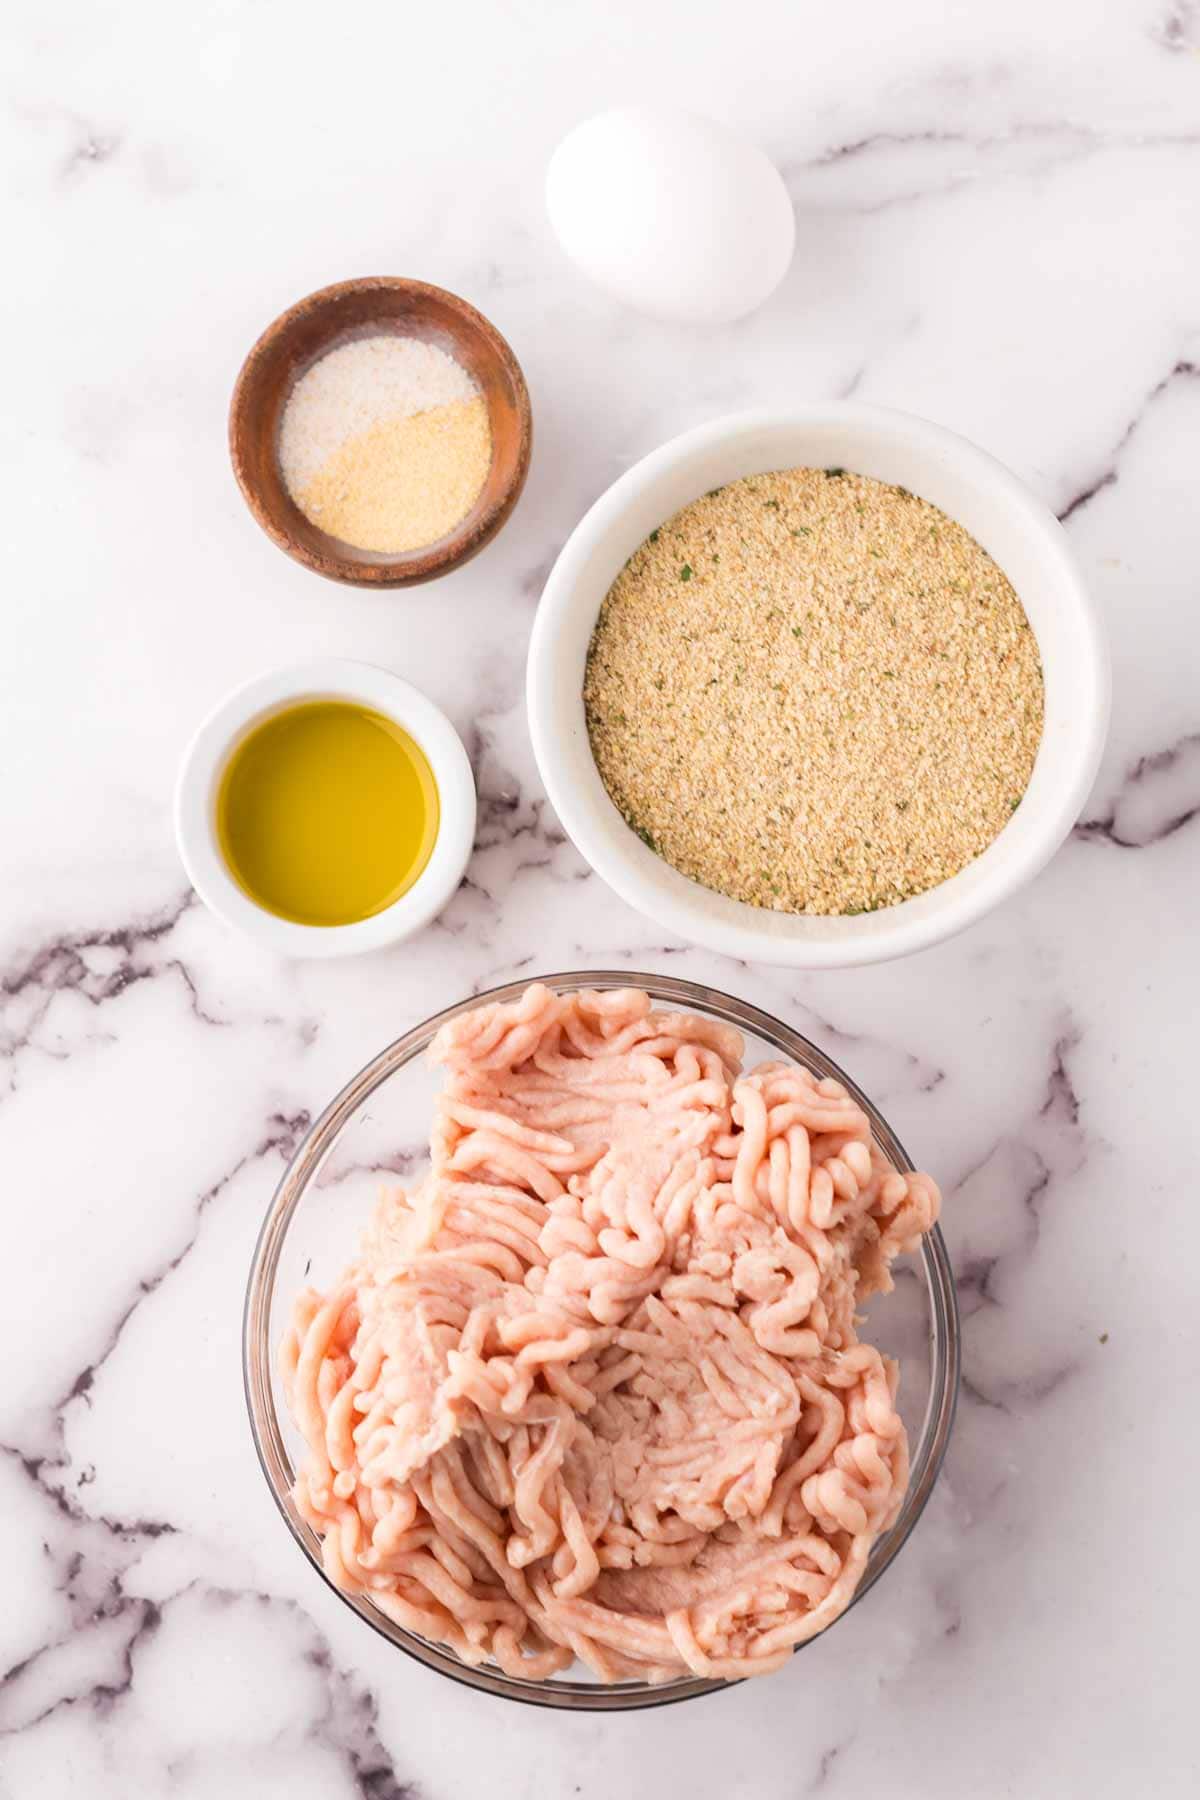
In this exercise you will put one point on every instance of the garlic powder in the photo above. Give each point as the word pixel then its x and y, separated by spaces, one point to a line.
pixel 385 443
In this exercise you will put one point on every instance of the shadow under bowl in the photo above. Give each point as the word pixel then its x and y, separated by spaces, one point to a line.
pixel 370 307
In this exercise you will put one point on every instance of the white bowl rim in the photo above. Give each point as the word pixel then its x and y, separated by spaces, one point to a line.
pixel 835 942
pixel 332 678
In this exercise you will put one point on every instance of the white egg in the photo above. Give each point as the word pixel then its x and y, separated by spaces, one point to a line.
pixel 671 213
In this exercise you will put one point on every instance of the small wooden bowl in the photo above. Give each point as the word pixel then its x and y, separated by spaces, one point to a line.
pixel 333 316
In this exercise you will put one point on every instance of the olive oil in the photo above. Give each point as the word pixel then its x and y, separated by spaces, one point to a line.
pixel 327 812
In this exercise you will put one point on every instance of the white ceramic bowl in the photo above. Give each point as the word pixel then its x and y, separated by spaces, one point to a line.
pixel 1012 525
pixel 329 679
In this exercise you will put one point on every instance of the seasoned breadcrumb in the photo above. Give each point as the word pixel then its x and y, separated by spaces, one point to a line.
pixel 814 692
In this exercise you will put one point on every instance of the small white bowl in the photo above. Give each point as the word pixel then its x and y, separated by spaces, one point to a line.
pixel 329 679
pixel 1015 528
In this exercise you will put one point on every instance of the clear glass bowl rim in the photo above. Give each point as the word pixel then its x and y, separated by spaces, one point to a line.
pixel 928 1452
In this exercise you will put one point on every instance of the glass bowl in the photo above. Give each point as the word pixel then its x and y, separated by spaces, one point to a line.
pixel 377 1130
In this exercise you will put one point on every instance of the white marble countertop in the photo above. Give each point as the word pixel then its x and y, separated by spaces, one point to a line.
pixel 997 228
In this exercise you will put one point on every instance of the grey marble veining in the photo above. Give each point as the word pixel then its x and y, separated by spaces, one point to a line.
pixel 997 228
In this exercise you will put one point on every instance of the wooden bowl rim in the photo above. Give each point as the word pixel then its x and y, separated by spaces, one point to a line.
pixel 454 550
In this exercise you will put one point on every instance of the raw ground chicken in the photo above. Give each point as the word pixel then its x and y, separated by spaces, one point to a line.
pixel 594 1389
